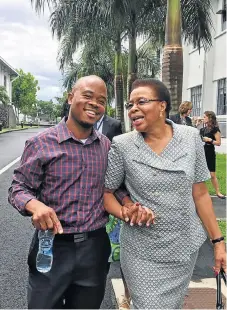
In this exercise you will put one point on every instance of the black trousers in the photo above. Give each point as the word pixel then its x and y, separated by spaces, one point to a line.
pixel 77 278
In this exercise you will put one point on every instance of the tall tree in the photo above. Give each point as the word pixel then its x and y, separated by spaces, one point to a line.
pixel 45 108
pixel 172 64
pixel 24 92
pixel 4 98
pixel 103 20
pixel 195 25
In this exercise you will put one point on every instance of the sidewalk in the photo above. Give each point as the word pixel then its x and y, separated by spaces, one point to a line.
pixel 219 207
pixel 202 289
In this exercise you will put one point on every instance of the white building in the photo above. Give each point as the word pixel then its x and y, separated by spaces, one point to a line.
pixel 204 81
pixel 7 75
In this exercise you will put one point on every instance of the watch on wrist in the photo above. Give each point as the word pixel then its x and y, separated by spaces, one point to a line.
pixel 217 240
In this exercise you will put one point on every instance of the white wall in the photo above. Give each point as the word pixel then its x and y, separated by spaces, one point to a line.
pixel 206 68
pixel 219 56
pixel 8 82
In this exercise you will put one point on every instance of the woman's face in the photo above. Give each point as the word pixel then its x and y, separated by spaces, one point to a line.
pixel 205 119
pixel 147 115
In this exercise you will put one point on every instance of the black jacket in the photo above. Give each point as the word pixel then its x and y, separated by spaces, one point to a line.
pixel 111 127
pixel 177 119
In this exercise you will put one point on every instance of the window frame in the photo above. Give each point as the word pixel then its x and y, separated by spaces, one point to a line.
pixel 221 93
pixel 222 12
pixel 196 99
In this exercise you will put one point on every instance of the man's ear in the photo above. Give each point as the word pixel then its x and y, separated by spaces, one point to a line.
pixel 70 98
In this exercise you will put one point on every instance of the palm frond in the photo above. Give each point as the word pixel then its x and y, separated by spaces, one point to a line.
pixel 197 22
pixel 40 5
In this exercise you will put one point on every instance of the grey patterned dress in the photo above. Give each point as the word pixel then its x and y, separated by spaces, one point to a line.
pixel 158 261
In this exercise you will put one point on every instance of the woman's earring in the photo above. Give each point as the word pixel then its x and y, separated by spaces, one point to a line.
pixel 161 114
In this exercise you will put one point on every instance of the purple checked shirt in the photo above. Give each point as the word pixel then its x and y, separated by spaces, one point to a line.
pixel 66 175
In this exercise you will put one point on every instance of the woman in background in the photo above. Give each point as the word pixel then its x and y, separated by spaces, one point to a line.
pixel 211 135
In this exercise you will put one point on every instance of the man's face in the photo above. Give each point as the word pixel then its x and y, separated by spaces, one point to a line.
pixel 88 102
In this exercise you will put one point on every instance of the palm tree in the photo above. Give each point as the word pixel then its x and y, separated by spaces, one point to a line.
pixel 172 64
pixel 76 22
pixel 85 23
pixel 94 59
pixel 196 29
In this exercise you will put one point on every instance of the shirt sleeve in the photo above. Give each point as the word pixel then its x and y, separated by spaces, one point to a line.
pixel 201 170
pixel 115 170
pixel 27 178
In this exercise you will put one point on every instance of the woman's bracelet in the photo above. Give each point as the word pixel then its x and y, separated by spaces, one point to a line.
pixel 217 240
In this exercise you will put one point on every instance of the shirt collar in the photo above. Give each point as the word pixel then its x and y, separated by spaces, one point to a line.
pixel 101 119
pixel 65 134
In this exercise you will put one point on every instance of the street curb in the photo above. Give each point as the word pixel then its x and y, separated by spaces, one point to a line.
pixel 1 133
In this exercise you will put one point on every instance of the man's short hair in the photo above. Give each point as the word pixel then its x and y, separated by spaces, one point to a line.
pixel 185 106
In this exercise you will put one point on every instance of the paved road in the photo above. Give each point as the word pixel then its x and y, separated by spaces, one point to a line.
pixel 16 233
pixel 12 144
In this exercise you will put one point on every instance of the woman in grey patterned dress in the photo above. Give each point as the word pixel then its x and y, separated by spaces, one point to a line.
pixel 164 169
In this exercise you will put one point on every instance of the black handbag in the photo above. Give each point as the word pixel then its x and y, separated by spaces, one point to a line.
pixel 219 303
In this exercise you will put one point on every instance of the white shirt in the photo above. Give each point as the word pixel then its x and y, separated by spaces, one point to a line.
pixel 100 124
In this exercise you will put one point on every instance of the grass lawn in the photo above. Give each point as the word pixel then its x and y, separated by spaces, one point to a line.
pixel 222 226
pixel 16 128
pixel 221 174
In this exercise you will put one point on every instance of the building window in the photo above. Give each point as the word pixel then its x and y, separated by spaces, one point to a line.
pixel 5 81
pixel 196 96
pixel 221 104
pixel 222 12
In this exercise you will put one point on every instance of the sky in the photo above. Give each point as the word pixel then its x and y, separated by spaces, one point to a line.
pixel 26 42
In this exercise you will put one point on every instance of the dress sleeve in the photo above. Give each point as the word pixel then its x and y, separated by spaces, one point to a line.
pixel 215 130
pixel 201 170
pixel 115 170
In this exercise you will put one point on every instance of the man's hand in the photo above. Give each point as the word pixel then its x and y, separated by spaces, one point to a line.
pixel 137 214
pixel 43 217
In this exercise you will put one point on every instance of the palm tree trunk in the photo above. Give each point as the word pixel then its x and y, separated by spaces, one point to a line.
pixel 172 64
pixel 132 56
pixel 118 83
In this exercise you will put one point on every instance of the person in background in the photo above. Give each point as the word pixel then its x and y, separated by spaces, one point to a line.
pixel 163 167
pixel 182 117
pixel 110 127
pixel 211 135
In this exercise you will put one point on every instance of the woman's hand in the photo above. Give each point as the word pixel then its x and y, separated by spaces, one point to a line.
pixel 137 214
pixel 219 256
pixel 206 139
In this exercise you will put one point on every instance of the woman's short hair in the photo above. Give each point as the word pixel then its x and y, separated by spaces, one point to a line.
pixel 161 90
pixel 185 106
pixel 212 120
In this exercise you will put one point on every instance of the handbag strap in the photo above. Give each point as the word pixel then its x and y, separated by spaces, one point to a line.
pixel 219 303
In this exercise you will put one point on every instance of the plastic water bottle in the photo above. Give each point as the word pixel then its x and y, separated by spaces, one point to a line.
pixel 44 256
